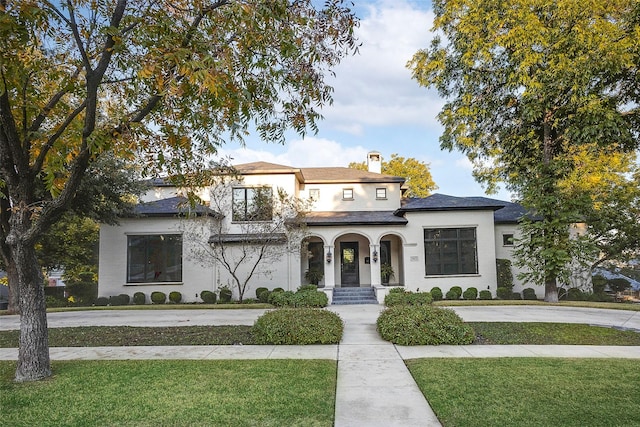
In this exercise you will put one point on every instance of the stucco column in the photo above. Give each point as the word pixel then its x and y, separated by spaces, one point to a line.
pixel 329 269
pixel 374 256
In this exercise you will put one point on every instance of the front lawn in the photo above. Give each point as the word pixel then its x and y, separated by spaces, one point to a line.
pixel 173 393
pixel 531 392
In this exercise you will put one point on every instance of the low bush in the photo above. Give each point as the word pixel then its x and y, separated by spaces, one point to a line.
pixel 277 290
pixel 208 297
pixel 122 299
pixel 307 288
pixel 53 302
pixel 298 326
pixel 575 294
pixel 175 297
pixel 457 290
pixel 263 296
pixel 423 325
pixel 402 297
pixel 452 295
pixel 503 293
pixel 516 296
pixel 102 301
pixel 158 297
pixel 529 294
pixel 139 298
pixel 260 290
pixel 485 295
pixel 470 294
pixel 436 293
pixel 300 298
pixel 225 295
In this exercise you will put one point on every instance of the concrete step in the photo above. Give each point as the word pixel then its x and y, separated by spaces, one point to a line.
pixel 347 296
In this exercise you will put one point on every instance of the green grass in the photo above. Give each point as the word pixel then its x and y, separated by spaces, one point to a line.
pixel 173 393
pixel 551 334
pixel 531 392
pixel 98 336
pixel 584 304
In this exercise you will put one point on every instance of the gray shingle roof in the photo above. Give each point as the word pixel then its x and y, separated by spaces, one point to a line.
pixel 173 206
pixel 274 238
pixel 442 202
pixel 346 175
pixel 353 218
pixel 511 213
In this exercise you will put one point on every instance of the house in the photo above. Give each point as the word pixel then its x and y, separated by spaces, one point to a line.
pixel 356 222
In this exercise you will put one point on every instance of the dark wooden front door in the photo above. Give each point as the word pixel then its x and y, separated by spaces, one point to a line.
pixel 350 272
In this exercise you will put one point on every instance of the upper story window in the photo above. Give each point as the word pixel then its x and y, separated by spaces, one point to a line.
pixel 347 194
pixel 252 204
pixel 381 193
pixel 314 194
pixel 450 251
pixel 507 239
pixel 154 258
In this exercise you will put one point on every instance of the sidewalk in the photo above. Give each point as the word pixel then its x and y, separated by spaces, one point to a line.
pixel 374 387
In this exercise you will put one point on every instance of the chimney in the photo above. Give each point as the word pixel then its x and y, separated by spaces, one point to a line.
pixel 374 162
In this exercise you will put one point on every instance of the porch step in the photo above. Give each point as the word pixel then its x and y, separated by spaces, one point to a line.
pixel 346 296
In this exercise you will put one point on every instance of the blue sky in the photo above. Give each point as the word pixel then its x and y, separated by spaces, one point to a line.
pixel 377 106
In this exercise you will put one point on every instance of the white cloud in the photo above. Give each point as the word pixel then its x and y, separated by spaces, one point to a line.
pixel 464 163
pixel 375 87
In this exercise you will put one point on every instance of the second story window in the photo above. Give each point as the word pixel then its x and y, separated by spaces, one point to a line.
pixel 252 204
pixel 347 194
pixel 381 193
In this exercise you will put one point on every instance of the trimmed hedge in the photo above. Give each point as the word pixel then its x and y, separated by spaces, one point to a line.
pixel 452 295
pixel 263 295
pixel 470 294
pixel 529 294
pixel 436 293
pixel 158 297
pixel 503 293
pixel 175 297
pixel 423 325
pixel 301 298
pixel 298 326
pixel 225 295
pixel 139 298
pixel 457 290
pixel 208 297
pixel 486 295
pixel 398 296
pixel 122 299
pixel 260 290
pixel 102 301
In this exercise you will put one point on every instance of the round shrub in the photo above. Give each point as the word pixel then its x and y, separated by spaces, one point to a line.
pixel 529 294
pixel 158 297
pixel 516 296
pixel 575 294
pixel 208 297
pixel 175 297
pixel 298 326
pixel 259 291
pixel 503 293
pixel 277 290
pixel 102 301
pixel 486 295
pixel 457 290
pixel 436 293
pixel 451 294
pixel 122 299
pixel 470 293
pixel 139 298
pixel 423 325
pixel 263 296
pixel 225 295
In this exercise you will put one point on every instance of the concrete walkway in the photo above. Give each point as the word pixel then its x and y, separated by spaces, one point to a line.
pixel 374 387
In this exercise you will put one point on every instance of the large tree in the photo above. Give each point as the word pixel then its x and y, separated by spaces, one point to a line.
pixel 418 177
pixel 527 84
pixel 167 81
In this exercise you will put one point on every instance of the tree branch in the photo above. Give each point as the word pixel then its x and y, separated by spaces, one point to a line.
pixel 76 35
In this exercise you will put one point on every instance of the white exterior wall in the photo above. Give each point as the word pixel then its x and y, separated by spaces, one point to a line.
pixel 112 269
pixel 414 258
pixel 364 197
pixel 506 252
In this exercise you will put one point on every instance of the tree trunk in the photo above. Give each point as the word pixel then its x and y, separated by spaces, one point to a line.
pixel 551 290
pixel 33 353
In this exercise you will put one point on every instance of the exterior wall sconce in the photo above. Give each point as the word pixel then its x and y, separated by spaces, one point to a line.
pixel 375 256
pixel 329 257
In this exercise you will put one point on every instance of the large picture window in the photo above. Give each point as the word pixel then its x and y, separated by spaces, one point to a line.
pixel 252 204
pixel 154 258
pixel 450 251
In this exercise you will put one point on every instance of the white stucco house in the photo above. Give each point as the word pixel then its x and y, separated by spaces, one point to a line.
pixel 357 221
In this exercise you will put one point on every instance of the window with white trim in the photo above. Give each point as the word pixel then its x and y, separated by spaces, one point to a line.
pixel 381 193
pixel 347 193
